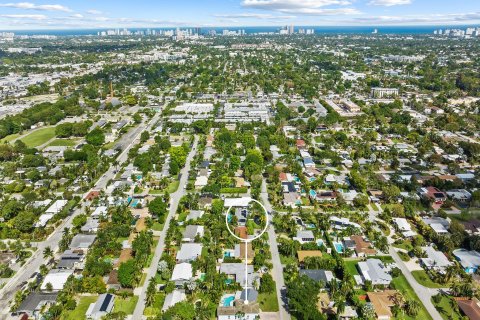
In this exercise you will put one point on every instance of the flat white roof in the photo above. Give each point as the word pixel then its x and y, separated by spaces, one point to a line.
pixel 237 202
pixel 57 206
pixel 57 278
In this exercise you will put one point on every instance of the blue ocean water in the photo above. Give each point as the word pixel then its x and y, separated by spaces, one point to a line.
pixel 404 30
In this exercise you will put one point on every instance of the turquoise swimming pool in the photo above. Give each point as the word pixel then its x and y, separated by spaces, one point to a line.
pixel 338 247
pixel 228 301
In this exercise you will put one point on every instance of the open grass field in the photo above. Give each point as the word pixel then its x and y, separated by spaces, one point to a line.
pixel 351 266
pixel 422 277
pixel 79 312
pixel 63 143
pixel 268 301
pixel 402 285
pixel 446 309
pixel 39 137
pixel 125 305
pixel 10 137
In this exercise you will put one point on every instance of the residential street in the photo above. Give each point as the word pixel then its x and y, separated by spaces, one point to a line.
pixel 277 270
pixel 175 199
pixel 423 293
pixel 32 265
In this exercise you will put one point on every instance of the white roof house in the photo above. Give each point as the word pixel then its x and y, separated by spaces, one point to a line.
pixel 57 278
pixel 191 232
pixel 43 220
pixel 101 307
pixel 201 181
pixel 404 227
pixel 99 211
pixel 173 298
pixel 402 224
pixel 237 202
pixel 57 206
pixel 435 259
pixel 375 271
pixel 470 260
pixel 189 252
pixel 182 273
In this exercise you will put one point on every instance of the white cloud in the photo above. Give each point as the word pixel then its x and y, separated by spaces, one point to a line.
pixel 389 3
pixel 429 19
pixel 24 16
pixel 261 16
pixel 32 6
pixel 93 11
pixel 77 16
pixel 306 7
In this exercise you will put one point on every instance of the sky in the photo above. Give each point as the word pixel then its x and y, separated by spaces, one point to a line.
pixel 81 14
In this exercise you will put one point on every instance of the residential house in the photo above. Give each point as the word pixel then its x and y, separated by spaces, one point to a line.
pixel 435 260
pixel 191 232
pixel 56 278
pixel 236 272
pixel 189 252
pixel 304 236
pixel 103 306
pixel 182 273
pixel 35 302
pixel 375 271
pixel 469 260
pixel 173 298
pixel 382 303
pixel 318 275
pixel 469 307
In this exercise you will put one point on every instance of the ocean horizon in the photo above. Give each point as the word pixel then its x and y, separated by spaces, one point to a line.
pixel 404 30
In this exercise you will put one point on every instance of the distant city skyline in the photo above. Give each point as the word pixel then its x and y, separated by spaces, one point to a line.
pixel 69 14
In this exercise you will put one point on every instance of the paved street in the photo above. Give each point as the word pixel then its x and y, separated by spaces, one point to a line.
pixel 175 199
pixel 32 265
pixel 277 270
pixel 423 293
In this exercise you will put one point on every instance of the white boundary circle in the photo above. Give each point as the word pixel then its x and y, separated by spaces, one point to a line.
pixel 254 238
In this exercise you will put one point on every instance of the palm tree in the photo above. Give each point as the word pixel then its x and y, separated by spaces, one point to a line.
pixel 151 291
pixel 47 253
pixel 412 307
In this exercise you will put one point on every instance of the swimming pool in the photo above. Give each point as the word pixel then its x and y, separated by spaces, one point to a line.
pixel 338 247
pixel 227 254
pixel 319 242
pixel 228 301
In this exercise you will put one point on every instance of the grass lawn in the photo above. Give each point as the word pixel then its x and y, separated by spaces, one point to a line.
pixel 422 277
pixel 156 191
pixel 287 260
pixel 384 259
pixel 157 226
pixel 183 215
pixel 39 137
pixel 445 309
pixel 63 143
pixel 10 137
pixel 142 280
pixel 402 285
pixel 268 301
pixel 405 257
pixel 82 306
pixel 405 245
pixel 351 266
pixel 157 305
pixel 125 305
pixel 374 206
pixel 173 186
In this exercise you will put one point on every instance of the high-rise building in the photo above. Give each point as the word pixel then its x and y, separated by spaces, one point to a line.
pixel 291 29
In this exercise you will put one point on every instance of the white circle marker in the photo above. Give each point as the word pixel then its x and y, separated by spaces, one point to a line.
pixel 246 241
